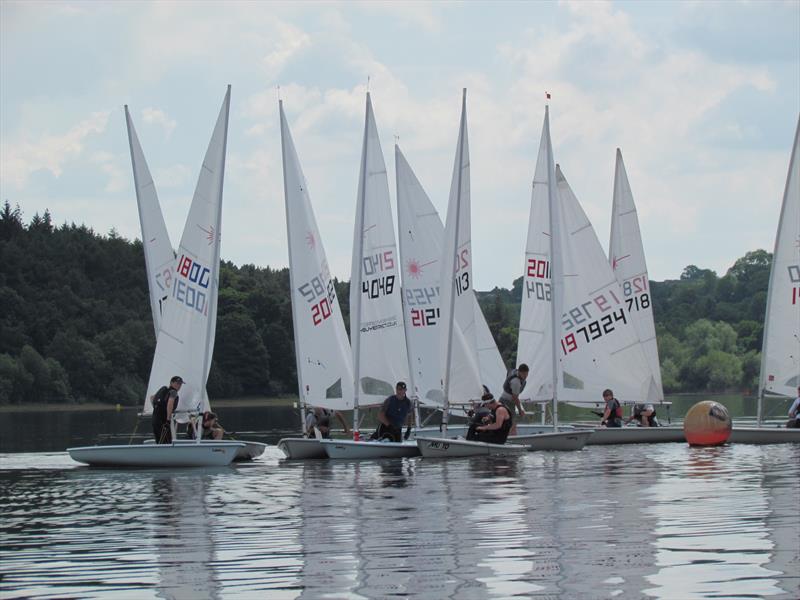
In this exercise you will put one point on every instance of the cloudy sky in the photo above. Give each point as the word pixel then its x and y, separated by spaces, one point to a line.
pixel 702 98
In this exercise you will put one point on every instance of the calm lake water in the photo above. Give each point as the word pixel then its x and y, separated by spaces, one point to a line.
pixel 658 521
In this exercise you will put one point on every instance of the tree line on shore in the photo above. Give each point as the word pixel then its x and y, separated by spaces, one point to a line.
pixel 75 324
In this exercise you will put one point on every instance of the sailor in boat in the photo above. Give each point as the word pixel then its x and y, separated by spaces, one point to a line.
pixel 512 388
pixel 794 412
pixel 495 426
pixel 164 402
pixel 211 428
pixel 321 419
pixel 612 415
pixel 644 415
pixel 395 411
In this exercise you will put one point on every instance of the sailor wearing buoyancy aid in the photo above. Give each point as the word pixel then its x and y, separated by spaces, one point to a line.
pixel 512 388
pixel 612 415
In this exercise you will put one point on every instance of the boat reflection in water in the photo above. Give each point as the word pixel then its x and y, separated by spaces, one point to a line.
pixel 183 534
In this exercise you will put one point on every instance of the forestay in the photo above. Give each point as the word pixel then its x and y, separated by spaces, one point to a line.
pixel 376 317
pixel 322 350
pixel 159 256
pixel 780 355
pixel 186 338
pixel 420 235
pixel 460 363
pixel 626 256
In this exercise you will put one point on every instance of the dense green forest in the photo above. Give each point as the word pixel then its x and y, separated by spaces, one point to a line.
pixel 75 324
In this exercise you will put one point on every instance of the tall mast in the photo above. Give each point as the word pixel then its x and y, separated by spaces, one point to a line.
pixel 355 279
pixel 556 277
pixel 300 386
pixel 451 267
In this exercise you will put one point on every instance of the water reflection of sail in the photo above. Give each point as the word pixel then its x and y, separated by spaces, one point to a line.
pixel 783 490
pixel 184 540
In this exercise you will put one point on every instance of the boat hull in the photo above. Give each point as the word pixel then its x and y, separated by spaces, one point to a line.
pixel 250 450
pixel 209 454
pixel 461 429
pixel 764 435
pixel 367 449
pixel 301 448
pixel 558 441
pixel 636 435
pixel 438 447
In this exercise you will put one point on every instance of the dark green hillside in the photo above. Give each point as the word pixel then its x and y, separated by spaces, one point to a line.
pixel 75 320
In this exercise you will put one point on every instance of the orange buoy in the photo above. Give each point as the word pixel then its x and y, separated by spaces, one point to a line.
pixel 707 424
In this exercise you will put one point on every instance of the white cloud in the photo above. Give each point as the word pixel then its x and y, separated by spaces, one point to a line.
pixel 118 178
pixel 156 116
pixel 21 157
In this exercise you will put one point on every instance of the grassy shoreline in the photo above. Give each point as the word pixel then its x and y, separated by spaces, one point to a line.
pixel 101 406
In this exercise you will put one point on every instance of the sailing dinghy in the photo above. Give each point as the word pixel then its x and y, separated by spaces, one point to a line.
pixel 461 372
pixel 186 335
pixel 378 339
pixel 160 259
pixel 780 353
pixel 322 350
pixel 627 259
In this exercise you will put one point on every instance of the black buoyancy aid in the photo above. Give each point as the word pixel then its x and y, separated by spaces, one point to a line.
pixel 514 374
pixel 160 401
pixel 502 434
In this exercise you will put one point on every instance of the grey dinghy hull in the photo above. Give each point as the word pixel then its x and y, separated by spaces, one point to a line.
pixel 208 454
pixel 368 449
pixel 559 440
pixel 250 450
pixel 764 435
pixel 636 435
pixel 300 448
pixel 438 447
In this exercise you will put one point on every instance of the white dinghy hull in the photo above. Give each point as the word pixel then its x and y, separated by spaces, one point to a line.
pixel 559 440
pixel 368 449
pixel 636 435
pixel 764 435
pixel 301 448
pixel 250 450
pixel 209 454
pixel 437 447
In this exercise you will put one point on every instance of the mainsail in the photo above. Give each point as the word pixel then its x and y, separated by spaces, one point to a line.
pixel 159 256
pixel 570 288
pixel 186 337
pixel 322 350
pixel 376 313
pixel 461 372
pixel 626 255
pixel 780 354
pixel 420 236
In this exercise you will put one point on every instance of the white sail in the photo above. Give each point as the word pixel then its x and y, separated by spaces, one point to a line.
pixel 376 313
pixel 492 368
pixel 597 343
pixel 420 237
pixel 535 340
pixel 159 256
pixel 188 326
pixel 459 361
pixel 322 350
pixel 780 354
pixel 626 255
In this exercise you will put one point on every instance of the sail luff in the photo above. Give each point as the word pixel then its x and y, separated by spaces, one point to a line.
pixel 212 309
pixel 450 265
pixel 355 275
pixel 786 256
pixel 556 268
pixel 300 386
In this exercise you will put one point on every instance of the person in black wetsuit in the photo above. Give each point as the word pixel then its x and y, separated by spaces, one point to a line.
pixel 164 402
pixel 496 424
